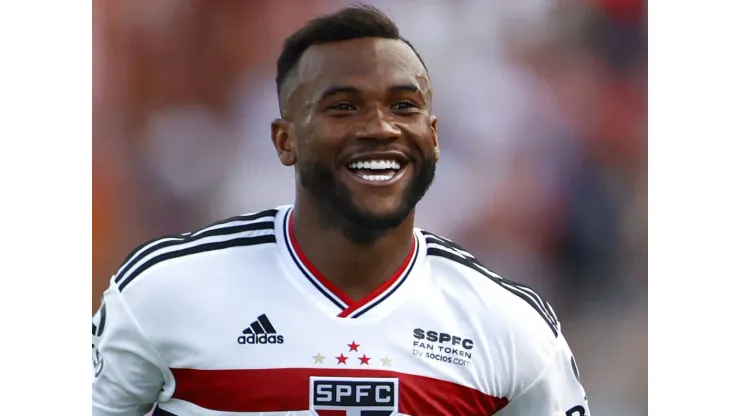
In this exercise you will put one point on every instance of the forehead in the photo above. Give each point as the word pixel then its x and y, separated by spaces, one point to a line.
pixel 362 63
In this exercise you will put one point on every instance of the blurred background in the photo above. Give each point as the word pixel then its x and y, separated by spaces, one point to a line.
pixel 543 131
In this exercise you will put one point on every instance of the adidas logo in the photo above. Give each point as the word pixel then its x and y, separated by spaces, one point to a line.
pixel 260 331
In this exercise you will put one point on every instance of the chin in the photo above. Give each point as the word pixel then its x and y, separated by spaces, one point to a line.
pixel 379 217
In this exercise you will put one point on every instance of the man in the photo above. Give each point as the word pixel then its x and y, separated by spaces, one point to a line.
pixel 336 305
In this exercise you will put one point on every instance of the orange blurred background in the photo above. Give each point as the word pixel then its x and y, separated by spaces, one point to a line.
pixel 543 130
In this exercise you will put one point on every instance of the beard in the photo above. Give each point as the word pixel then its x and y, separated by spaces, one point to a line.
pixel 338 210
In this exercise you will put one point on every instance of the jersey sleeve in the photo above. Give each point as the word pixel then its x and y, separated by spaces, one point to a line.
pixel 128 373
pixel 556 392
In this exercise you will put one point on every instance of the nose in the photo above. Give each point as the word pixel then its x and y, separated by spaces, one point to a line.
pixel 377 125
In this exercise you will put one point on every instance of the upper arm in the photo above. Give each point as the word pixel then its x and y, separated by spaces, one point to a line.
pixel 128 373
pixel 556 392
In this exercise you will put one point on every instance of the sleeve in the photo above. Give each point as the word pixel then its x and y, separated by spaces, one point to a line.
pixel 127 373
pixel 556 392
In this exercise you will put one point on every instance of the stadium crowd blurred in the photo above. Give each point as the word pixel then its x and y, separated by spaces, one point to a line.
pixel 543 131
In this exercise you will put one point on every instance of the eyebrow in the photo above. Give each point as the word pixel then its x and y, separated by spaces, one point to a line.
pixel 404 87
pixel 338 89
pixel 345 89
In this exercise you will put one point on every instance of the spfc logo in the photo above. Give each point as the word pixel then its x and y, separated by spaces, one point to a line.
pixel 356 396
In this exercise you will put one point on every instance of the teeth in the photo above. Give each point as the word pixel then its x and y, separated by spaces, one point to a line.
pixel 376 165
pixel 376 178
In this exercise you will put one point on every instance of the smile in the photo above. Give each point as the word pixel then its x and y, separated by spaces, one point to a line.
pixel 376 170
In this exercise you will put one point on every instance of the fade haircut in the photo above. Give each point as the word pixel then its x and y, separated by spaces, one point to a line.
pixel 353 22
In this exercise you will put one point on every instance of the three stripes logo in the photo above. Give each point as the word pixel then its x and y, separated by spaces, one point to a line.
pixel 260 331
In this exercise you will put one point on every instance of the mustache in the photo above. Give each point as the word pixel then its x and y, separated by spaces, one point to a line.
pixel 414 154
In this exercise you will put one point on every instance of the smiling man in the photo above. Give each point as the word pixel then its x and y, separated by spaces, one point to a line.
pixel 336 304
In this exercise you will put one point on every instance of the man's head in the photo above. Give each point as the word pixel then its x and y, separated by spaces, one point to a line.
pixel 355 100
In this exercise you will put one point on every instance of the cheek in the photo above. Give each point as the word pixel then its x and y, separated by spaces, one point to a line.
pixel 422 136
pixel 321 143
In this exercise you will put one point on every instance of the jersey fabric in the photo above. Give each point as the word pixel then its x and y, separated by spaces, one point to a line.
pixel 234 320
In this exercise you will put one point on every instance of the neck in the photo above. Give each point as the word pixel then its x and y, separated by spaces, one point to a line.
pixel 354 268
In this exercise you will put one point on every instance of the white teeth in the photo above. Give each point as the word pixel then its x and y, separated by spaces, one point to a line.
pixel 376 165
pixel 376 178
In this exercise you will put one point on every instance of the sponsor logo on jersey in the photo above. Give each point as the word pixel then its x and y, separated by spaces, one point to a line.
pixel 97 332
pixel 97 361
pixel 260 331
pixel 443 347
pixel 576 411
pixel 356 396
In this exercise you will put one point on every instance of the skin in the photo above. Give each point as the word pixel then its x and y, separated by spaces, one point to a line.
pixel 357 234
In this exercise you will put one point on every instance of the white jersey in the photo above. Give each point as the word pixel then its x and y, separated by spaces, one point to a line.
pixel 234 320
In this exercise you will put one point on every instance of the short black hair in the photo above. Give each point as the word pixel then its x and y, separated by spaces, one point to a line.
pixel 353 22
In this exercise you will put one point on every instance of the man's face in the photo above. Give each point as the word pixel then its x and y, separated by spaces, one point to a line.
pixel 364 135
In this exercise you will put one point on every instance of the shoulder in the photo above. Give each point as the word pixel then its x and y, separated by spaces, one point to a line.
pixel 175 253
pixel 512 318
pixel 507 302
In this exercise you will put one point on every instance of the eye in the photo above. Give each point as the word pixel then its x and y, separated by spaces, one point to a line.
pixel 342 107
pixel 404 106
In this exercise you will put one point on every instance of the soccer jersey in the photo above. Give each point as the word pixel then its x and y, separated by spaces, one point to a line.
pixel 234 320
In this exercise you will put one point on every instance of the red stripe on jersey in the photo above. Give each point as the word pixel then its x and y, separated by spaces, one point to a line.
pixel 287 389
pixel 351 305
pixel 311 268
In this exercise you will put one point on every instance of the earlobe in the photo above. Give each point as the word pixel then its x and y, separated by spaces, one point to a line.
pixel 282 139
pixel 435 138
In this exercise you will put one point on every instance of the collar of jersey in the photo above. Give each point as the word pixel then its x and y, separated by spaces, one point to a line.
pixel 347 307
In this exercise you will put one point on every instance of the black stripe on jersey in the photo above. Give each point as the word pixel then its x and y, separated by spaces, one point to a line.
pixel 159 412
pixel 141 252
pixel 459 255
pixel 299 265
pixel 201 248
pixel 101 324
pixel 246 217
pixel 236 229
pixel 432 238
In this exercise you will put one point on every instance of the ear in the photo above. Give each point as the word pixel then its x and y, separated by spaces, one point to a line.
pixel 436 136
pixel 283 138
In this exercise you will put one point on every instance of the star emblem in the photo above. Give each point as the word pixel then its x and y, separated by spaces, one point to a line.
pixel 318 359
pixel 342 359
pixel 386 361
pixel 353 346
pixel 364 360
